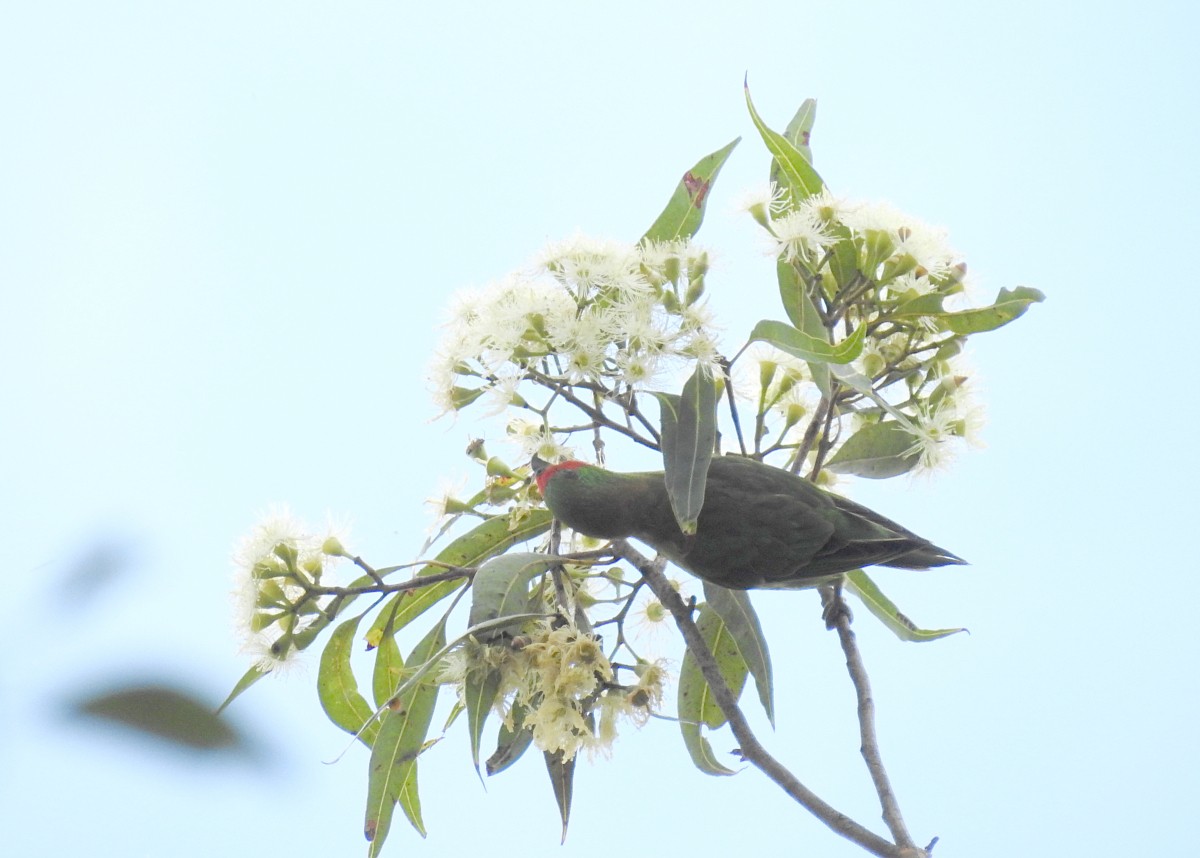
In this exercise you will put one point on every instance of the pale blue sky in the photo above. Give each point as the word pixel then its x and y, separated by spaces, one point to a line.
pixel 227 233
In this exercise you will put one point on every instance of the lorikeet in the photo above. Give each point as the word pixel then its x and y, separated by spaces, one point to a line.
pixel 759 527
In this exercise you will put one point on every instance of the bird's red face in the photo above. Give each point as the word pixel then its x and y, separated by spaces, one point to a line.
pixel 545 474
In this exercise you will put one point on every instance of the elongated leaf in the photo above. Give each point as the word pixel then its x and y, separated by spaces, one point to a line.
pixel 797 133
pixel 1009 305
pixel 501 588
pixel 250 677
pixel 788 339
pixel 800 309
pixel 882 607
pixel 562 780
pixel 696 704
pixel 689 435
pixel 510 744
pixel 338 689
pixel 798 173
pixel 392 773
pixel 701 750
pixel 685 210
pixel 876 451
pixel 389 669
pixel 480 693
pixel 492 537
pixel 735 609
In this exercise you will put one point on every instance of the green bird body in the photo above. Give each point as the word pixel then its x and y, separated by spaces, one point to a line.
pixel 759 527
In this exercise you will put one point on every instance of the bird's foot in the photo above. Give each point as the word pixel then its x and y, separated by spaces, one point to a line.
pixel 833 606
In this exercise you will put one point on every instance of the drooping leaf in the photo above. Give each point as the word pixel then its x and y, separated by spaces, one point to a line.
pixel 737 612
pixel 392 773
pixel 492 537
pixel 877 451
pixel 389 669
pixel 480 689
pixel 338 689
pixel 685 210
pixel 697 707
pixel 689 434
pixel 795 169
pixel 562 780
pixel 795 342
pixel 1009 305
pixel 883 608
pixel 161 711
pixel 501 588
pixel 510 744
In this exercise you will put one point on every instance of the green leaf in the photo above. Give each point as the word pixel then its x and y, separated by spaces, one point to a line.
pixel 685 210
pixel 389 669
pixel 250 677
pixel 736 611
pixel 488 539
pixel 480 693
pixel 562 779
pixel 689 435
pixel 882 607
pixel 501 589
pixel 696 704
pixel 795 342
pixel 877 451
pixel 392 773
pixel 1009 305
pixel 797 172
pixel 161 711
pixel 337 688
pixel 799 306
pixel 510 744
pixel 797 133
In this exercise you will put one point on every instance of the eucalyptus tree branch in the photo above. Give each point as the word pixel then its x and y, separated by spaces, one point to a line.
pixel 751 749
pixel 594 413
pixel 839 619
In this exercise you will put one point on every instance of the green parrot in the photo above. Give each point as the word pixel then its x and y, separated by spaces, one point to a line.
pixel 760 527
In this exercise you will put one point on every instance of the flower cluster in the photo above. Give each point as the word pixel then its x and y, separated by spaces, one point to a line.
pixel 867 264
pixel 277 566
pixel 554 682
pixel 603 314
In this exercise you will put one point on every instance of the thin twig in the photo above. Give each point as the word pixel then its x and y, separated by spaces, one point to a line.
pixel 750 748
pixel 839 619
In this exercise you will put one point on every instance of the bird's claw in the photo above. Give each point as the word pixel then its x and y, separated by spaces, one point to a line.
pixel 833 606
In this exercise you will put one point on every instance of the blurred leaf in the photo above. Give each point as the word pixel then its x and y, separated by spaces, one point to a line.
pixel 689 435
pixel 797 172
pixel 161 711
pixel 685 210
pixel 510 744
pixel 338 689
pixel 488 539
pixel 389 668
pixel 562 779
pixel 882 607
pixel 876 451
pixel 1009 305
pixel 737 612
pixel 392 775
pixel 788 339
pixel 696 705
